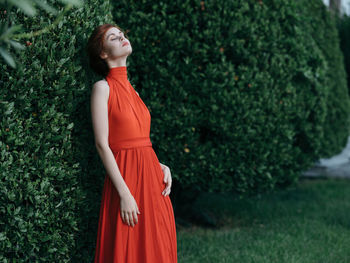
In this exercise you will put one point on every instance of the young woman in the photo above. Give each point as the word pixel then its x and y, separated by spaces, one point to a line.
pixel 136 220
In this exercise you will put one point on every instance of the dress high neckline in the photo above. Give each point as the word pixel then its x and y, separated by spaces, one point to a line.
pixel 118 72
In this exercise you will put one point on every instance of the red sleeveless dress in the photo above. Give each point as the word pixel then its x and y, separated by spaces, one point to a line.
pixel 153 238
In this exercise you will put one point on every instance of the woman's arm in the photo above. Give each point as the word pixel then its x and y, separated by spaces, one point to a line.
pixel 99 115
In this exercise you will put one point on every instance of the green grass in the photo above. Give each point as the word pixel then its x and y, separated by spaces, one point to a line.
pixel 309 222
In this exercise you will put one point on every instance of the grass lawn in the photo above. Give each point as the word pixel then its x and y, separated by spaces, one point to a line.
pixel 306 223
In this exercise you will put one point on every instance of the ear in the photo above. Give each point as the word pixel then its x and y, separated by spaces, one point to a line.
pixel 103 55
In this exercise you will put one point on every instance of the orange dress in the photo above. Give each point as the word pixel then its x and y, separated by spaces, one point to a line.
pixel 153 238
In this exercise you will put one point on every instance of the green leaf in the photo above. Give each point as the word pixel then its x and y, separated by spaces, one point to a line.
pixel 26 6
pixel 70 126
pixel 7 56
pixel 9 31
pixel 46 7
pixel 72 2
pixel 16 45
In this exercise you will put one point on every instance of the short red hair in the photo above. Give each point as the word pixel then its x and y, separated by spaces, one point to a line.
pixel 95 46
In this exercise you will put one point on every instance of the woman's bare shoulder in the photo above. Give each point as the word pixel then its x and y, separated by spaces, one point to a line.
pixel 100 87
pixel 101 82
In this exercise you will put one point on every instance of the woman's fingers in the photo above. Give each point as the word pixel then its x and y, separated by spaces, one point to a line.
pixel 168 181
pixel 125 218
pixel 167 190
pixel 135 217
pixel 130 218
pixel 129 210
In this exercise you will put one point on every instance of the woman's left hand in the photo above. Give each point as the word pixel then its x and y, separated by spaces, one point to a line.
pixel 167 179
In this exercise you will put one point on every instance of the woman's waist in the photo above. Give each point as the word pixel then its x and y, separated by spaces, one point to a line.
pixel 130 143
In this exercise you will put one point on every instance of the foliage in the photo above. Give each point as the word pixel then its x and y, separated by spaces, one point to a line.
pixel 238 90
pixel 44 119
pixel 7 32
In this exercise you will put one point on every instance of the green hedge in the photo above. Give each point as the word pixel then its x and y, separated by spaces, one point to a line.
pixel 322 27
pixel 45 132
pixel 241 94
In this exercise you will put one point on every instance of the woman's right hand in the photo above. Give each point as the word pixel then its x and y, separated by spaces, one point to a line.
pixel 129 209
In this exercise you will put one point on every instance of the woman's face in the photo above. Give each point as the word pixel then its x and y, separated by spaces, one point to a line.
pixel 115 44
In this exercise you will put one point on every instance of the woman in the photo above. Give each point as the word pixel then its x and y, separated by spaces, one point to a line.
pixel 136 220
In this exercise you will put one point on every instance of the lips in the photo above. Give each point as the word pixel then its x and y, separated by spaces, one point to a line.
pixel 126 43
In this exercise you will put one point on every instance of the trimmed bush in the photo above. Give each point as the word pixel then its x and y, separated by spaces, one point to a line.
pixel 45 134
pixel 321 25
pixel 239 90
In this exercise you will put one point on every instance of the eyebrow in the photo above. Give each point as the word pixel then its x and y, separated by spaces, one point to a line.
pixel 111 34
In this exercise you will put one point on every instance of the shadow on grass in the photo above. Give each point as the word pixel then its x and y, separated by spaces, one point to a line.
pixel 321 198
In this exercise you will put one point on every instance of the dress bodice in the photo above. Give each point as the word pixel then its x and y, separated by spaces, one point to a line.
pixel 129 119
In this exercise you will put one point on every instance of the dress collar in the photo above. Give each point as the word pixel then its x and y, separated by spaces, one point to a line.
pixel 118 72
